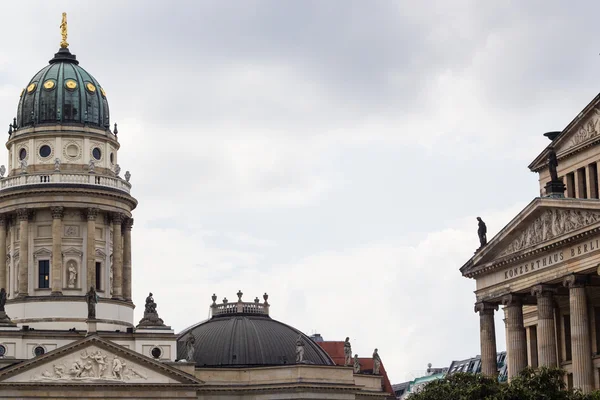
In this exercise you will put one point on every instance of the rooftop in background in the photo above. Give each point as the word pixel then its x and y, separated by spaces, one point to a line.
pixel 336 352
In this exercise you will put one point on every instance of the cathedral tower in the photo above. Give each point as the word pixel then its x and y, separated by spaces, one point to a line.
pixel 65 211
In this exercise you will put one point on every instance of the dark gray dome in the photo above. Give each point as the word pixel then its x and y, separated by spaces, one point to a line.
pixel 239 340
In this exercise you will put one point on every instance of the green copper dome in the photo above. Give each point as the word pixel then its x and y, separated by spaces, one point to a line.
pixel 63 93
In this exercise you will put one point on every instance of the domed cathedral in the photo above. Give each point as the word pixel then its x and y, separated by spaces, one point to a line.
pixel 66 209
pixel 66 311
pixel 543 266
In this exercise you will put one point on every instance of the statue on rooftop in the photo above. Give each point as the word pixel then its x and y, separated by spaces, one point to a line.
pixel 150 304
pixel 553 164
pixel 2 299
pixel 376 362
pixel 91 298
pixel 299 350
pixel 482 232
pixel 347 352
pixel 190 343
pixel 356 364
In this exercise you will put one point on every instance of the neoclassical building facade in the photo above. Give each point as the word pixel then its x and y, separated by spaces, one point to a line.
pixel 66 309
pixel 542 268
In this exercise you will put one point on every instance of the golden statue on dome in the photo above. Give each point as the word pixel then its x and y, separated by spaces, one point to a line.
pixel 63 31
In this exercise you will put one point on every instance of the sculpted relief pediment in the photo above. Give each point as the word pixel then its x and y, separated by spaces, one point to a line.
pixel 91 365
pixel 94 361
pixel 550 224
pixel 587 129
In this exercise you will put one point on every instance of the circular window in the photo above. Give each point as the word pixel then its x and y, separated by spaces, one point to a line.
pixel 70 84
pixel 72 150
pixel 22 154
pixel 45 151
pixel 39 350
pixel 156 352
pixel 49 84
pixel 112 158
pixel 2 350
pixel 97 153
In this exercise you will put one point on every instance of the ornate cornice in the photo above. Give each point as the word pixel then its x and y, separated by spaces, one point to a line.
pixel 57 212
pixel 128 224
pixel 484 307
pixel 576 281
pixel 91 213
pixel 23 214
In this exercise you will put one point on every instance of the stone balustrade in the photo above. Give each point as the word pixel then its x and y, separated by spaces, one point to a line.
pixel 240 307
pixel 65 179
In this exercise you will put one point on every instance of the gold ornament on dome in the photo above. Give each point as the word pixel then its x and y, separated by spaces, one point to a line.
pixel 63 31
pixel 31 88
pixel 48 84
pixel 22 91
pixel 90 87
pixel 71 84
pixel 103 92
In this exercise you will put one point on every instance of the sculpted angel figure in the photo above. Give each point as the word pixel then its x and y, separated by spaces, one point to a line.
pixel 189 346
pixel 347 352
pixel 376 362
pixel 299 349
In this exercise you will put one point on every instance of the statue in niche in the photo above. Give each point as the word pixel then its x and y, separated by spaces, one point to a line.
pixel 150 305
pixel 552 165
pixel 3 297
pixel 376 362
pixel 347 352
pixel 72 275
pixel 190 343
pixel 299 350
pixel 91 298
pixel 356 364
pixel 482 232
pixel 110 278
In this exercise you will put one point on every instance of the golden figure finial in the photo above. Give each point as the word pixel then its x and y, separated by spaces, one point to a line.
pixel 63 31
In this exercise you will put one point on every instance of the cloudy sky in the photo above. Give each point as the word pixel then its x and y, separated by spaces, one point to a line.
pixel 331 153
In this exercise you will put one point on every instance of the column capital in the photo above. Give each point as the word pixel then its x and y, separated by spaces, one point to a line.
pixel 91 213
pixel 512 299
pixel 543 290
pixel 57 212
pixel 117 218
pixel 575 280
pixel 483 307
pixel 23 214
pixel 4 220
pixel 128 224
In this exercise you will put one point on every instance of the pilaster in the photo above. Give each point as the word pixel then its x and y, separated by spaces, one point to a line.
pixel 127 258
pixel 516 339
pixel 487 333
pixel 23 218
pixel 90 251
pixel 546 330
pixel 117 221
pixel 583 373
pixel 3 277
pixel 57 230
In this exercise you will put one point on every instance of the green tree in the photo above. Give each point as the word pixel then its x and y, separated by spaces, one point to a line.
pixel 530 384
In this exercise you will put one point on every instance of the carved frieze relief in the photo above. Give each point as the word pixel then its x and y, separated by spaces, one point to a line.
pixel 90 367
pixel 550 224
pixel 587 130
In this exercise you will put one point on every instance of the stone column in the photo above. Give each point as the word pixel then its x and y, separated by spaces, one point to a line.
pixel 23 217
pixel 57 268
pixel 546 331
pixel 583 373
pixel 3 277
pixel 532 346
pixel 127 258
pixel 516 339
pixel 487 333
pixel 90 252
pixel 117 221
